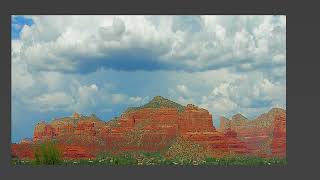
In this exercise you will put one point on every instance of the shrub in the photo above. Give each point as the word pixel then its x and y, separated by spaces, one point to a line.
pixel 186 151
pixel 48 154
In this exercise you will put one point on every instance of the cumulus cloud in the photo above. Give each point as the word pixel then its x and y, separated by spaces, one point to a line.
pixel 52 102
pixel 226 92
pixel 54 91
pixel 182 89
pixel 114 32
pixel 118 98
pixel 138 101
pixel 190 43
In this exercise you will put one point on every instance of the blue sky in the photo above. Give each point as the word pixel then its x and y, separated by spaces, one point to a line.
pixel 17 24
pixel 104 64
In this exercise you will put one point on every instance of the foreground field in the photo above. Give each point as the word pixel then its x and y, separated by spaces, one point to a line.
pixel 154 159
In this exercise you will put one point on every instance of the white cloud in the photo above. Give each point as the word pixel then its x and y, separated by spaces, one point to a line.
pixel 54 101
pixel 220 105
pixel 63 43
pixel 94 87
pixel 87 96
pixel 118 98
pixel 138 101
pixel 182 89
pixel 225 92
pixel 279 59
pixel 21 77
pixel 114 32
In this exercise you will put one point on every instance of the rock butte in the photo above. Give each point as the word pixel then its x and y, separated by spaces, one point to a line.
pixel 154 126
pixel 264 136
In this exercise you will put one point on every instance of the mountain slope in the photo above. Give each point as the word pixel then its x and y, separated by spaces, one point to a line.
pixel 159 102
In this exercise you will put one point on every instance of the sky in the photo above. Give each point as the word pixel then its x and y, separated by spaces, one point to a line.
pixel 103 64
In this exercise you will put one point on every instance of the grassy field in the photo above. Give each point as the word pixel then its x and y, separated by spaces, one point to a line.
pixel 155 159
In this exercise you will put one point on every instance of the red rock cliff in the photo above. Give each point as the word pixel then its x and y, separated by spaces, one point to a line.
pixel 279 136
pixel 257 134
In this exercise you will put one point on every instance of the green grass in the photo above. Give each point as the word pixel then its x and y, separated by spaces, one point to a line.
pixel 156 159
pixel 47 154
pixel 246 161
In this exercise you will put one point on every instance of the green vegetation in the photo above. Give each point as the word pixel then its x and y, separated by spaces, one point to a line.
pixel 245 161
pixel 47 154
pixel 186 150
pixel 158 159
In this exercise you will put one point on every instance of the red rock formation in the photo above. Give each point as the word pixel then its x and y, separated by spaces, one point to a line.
pixel 43 131
pixel 146 129
pixel 256 134
pixel 22 151
pixel 77 152
pixel 69 125
pixel 151 128
pixel 76 115
pixel 27 151
pixel 164 124
pixel 86 128
pixel 234 144
pixel 279 136
pixel 26 141
pixel 224 123
pixel 195 119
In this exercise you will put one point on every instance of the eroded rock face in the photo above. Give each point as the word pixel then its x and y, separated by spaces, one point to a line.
pixel 43 131
pixel 22 151
pixel 153 128
pixel 279 136
pixel 195 119
pixel 257 134
pixel 77 152
pixel 75 125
